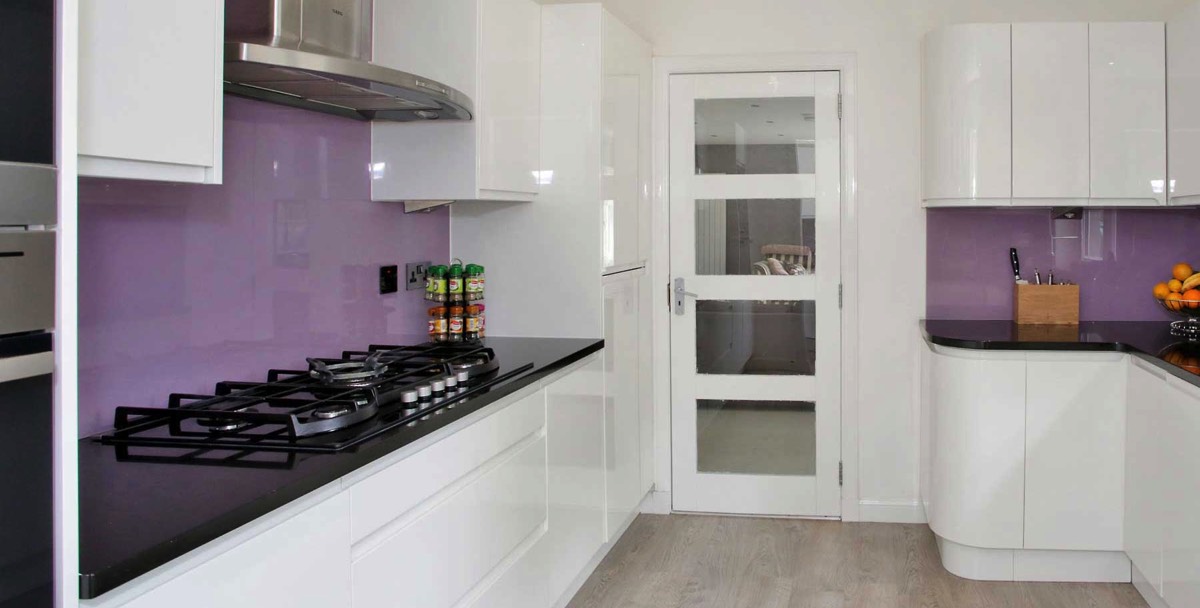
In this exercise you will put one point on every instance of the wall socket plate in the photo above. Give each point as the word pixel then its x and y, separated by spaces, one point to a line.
pixel 414 275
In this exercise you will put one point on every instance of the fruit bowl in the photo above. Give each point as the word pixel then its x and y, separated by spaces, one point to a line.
pixel 1189 310
pixel 1183 354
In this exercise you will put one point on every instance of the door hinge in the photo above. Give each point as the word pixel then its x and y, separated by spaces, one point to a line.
pixel 839 106
pixel 839 296
pixel 841 473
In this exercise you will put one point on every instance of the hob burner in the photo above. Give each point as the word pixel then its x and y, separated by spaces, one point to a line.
pixel 217 424
pixel 348 373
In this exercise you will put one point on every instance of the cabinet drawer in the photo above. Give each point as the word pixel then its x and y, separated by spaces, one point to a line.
pixel 453 544
pixel 393 491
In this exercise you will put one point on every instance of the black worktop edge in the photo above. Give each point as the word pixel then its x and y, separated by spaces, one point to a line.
pixel 1117 346
pixel 94 584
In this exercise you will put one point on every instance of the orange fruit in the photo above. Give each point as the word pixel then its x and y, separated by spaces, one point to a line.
pixel 1161 290
pixel 1191 298
pixel 1175 285
pixel 1174 301
pixel 1182 271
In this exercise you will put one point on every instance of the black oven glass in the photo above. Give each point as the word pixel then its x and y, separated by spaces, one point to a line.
pixel 27 81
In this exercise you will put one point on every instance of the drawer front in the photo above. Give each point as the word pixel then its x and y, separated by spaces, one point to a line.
pixel 387 495
pixel 453 545
pixel 27 259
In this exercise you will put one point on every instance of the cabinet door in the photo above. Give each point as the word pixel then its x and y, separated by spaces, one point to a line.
pixel 622 422
pixel 1183 103
pixel 968 114
pixel 509 120
pixel 150 88
pixel 575 425
pixel 1144 474
pixel 302 563
pixel 1050 119
pixel 978 439
pixel 1074 451
pixel 1181 525
pixel 1128 113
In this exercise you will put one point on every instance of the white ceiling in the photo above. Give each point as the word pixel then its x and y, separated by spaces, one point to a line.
pixel 780 120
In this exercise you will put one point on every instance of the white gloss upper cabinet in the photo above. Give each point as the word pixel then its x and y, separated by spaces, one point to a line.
pixel 967 114
pixel 1050 117
pixel 1183 99
pixel 1128 113
pixel 150 89
pixel 491 51
pixel 625 144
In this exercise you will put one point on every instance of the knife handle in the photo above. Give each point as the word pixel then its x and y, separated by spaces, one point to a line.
pixel 1016 263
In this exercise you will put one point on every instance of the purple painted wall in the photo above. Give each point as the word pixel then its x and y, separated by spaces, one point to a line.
pixel 182 286
pixel 1116 256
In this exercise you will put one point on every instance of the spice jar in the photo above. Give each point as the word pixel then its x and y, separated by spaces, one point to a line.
pixel 482 320
pixel 454 284
pixel 456 323
pixel 474 288
pixel 436 288
pixel 474 323
pixel 439 326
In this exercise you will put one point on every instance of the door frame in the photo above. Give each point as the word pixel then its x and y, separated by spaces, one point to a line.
pixel 660 256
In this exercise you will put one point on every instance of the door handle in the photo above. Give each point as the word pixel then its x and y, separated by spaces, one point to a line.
pixel 681 292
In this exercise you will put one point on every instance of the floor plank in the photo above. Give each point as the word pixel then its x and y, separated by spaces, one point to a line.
pixel 699 561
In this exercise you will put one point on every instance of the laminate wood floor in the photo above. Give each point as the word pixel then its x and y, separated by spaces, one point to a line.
pixel 668 561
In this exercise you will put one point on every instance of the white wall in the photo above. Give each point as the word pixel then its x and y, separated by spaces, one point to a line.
pixel 886 36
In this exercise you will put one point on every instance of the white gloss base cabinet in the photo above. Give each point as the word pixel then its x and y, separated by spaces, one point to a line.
pixel 1023 478
pixel 507 512
pixel 1162 533
pixel 491 51
pixel 150 89
pixel 1046 114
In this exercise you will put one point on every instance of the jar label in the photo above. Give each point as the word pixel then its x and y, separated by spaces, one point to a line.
pixel 437 326
pixel 456 285
pixel 474 324
pixel 456 326
pixel 474 285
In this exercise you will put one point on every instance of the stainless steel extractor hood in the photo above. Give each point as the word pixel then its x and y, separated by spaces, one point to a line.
pixel 315 54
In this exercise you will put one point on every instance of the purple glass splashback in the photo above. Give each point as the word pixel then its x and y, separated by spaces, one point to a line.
pixel 1115 255
pixel 182 286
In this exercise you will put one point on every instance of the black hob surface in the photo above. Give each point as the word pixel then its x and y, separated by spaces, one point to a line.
pixel 145 500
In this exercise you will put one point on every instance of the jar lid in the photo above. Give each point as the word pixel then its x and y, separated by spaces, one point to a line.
pixel 474 309
pixel 438 311
pixel 457 311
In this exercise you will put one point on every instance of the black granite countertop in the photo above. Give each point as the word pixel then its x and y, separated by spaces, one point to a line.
pixel 1148 340
pixel 136 516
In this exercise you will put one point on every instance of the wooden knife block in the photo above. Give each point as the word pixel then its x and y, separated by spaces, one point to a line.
pixel 1046 304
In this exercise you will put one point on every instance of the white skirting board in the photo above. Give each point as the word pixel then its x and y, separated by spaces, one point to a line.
pixel 1146 589
pixel 891 511
pixel 1034 566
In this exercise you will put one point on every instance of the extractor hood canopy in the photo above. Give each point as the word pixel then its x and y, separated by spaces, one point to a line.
pixel 315 54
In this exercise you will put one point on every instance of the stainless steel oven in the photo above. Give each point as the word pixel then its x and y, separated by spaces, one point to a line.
pixel 28 215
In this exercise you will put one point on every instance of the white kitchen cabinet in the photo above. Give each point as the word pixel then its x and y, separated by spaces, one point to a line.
pixel 1074 451
pixel 622 398
pixel 491 51
pixel 625 157
pixel 1180 502
pixel 978 436
pixel 1183 102
pixel 1128 113
pixel 1145 483
pixel 150 89
pixel 304 562
pixel 578 520
pixel 968 115
pixel 1050 117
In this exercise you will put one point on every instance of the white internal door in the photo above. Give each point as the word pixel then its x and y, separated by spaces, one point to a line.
pixel 755 262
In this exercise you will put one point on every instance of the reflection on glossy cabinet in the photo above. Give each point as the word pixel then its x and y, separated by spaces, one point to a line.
pixel 1181 501
pixel 575 426
pixel 625 144
pixel 622 418
pixel 1074 451
pixel 967 114
pixel 1050 118
pixel 491 51
pixel 150 89
pixel 302 563
pixel 1128 113
pixel 1183 102
pixel 1145 487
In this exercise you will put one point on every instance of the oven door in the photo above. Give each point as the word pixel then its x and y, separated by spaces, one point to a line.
pixel 26 472
pixel 27 173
